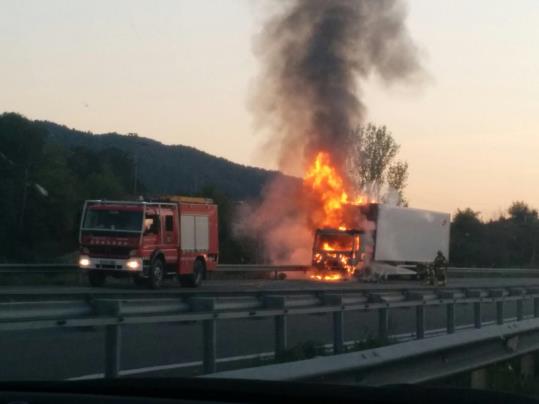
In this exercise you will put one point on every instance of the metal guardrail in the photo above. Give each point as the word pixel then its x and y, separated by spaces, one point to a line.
pixel 113 314
pixel 407 362
pixel 246 268
pixel 497 271
pixel 261 268
pixel 67 268
pixel 27 269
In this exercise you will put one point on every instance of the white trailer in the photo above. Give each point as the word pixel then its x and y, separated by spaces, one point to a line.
pixel 405 236
pixel 410 235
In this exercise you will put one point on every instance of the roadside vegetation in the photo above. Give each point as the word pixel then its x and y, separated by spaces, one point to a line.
pixel 310 349
pixel 511 240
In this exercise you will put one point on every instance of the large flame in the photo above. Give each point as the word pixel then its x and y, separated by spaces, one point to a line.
pixel 323 179
pixel 329 196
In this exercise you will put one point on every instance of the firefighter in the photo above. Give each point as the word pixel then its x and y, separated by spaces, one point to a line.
pixel 439 269
pixel 430 275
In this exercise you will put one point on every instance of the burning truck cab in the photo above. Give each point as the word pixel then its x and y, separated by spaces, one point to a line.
pixel 337 253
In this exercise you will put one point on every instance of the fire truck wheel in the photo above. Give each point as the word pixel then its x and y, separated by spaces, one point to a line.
pixel 157 272
pixel 195 279
pixel 96 278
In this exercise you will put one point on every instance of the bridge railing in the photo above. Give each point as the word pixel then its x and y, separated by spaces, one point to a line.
pixel 208 310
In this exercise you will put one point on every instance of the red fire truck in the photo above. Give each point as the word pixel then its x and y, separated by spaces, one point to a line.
pixel 149 240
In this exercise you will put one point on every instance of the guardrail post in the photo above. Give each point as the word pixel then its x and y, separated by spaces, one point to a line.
pixel 519 292
pixel 475 294
pixel 527 365
pixel 477 314
pixel 383 323
pixel 536 306
pixel 498 293
pixel 113 336
pixel 420 322
pixel 113 345
pixel 499 312
pixel 520 310
pixel 450 311
pixel 338 323
pixel 210 346
pixel 338 332
pixel 419 313
pixel 209 334
pixel 281 341
pixel 281 332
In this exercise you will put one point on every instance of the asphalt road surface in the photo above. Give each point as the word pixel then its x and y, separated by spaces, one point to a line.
pixel 68 353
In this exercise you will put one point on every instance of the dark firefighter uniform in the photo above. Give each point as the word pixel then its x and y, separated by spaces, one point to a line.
pixel 439 270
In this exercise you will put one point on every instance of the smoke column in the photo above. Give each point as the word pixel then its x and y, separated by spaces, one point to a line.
pixel 314 55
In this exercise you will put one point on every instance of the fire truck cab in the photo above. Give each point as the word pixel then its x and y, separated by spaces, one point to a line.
pixel 149 240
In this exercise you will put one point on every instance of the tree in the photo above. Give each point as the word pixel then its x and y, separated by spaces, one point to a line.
pixel 504 242
pixel 371 163
pixel 38 224
pixel 466 238
pixel 21 147
pixel 397 175
pixel 525 230
pixel 521 213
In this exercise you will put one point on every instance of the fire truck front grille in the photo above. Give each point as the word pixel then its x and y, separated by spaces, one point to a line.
pixel 110 251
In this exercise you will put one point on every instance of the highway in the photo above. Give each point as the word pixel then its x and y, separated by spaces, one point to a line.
pixel 68 353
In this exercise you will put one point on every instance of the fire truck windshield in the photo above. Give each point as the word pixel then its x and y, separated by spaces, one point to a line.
pixel 104 219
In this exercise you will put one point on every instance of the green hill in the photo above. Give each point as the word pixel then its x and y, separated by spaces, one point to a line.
pixel 167 169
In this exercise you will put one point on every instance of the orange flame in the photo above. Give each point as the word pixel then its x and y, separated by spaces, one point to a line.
pixel 324 180
pixel 327 247
pixel 328 277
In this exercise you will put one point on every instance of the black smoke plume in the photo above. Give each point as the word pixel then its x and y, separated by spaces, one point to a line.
pixel 314 54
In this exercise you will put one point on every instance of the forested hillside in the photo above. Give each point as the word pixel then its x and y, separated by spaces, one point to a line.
pixel 168 169
pixel 48 170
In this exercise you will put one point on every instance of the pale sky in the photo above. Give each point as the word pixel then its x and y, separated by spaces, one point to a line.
pixel 181 72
